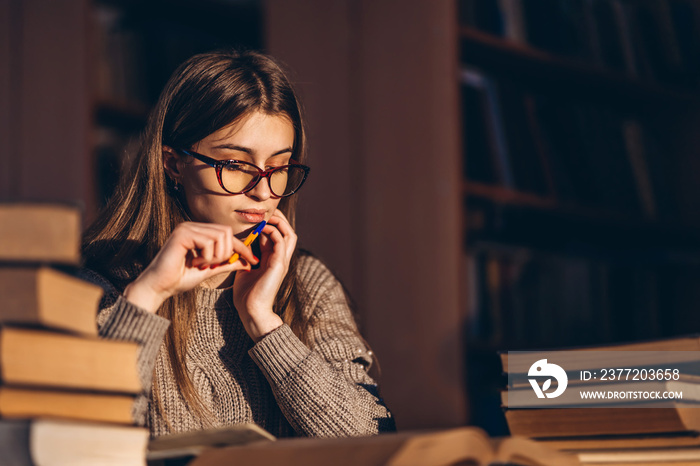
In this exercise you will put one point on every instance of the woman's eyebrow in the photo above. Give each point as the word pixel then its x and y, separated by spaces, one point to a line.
pixel 248 150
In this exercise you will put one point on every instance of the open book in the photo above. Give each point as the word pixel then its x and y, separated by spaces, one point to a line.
pixel 464 446
pixel 195 442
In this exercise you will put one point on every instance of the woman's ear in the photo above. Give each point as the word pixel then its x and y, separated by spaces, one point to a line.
pixel 173 164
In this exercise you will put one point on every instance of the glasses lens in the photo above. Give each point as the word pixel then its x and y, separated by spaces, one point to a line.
pixel 285 180
pixel 238 177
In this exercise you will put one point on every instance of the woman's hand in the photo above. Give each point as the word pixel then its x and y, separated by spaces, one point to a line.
pixel 254 291
pixel 193 253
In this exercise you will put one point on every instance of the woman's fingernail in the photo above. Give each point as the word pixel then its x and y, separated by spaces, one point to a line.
pixel 256 259
pixel 202 267
pixel 244 262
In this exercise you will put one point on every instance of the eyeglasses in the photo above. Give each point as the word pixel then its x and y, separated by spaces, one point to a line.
pixel 238 177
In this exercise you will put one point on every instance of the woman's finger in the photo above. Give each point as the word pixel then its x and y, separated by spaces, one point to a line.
pixel 204 247
pixel 290 236
pixel 273 233
pixel 276 242
pixel 223 237
pixel 224 267
pixel 220 236
pixel 243 251
pixel 281 223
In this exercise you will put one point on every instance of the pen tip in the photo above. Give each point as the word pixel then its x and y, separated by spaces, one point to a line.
pixel 260 226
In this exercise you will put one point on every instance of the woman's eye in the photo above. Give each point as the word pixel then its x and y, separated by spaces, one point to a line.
pixel 239 167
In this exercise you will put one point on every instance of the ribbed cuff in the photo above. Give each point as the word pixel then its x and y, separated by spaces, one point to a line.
pixel 279 353
pixel 130 322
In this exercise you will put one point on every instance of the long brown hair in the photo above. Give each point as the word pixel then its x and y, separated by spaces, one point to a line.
pixel 206 93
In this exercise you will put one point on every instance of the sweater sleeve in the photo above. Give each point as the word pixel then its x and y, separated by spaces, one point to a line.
pixel 324 390
pixel 118 319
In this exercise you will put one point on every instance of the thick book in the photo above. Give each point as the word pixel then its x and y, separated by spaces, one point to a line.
pixel 47 442
pixel 45 297
pixel 40 233
pixel 687 344
pixel 26 403
pixel 465 445
pixel 644 456
pixel 524 397
pixel 573 422
pixel 619 442
pixel 40 358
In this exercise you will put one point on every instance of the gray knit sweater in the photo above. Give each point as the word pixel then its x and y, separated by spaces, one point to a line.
pixel 279 383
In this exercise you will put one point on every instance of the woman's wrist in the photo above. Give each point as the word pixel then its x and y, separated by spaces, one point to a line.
pixel 143 296
pixel 259 327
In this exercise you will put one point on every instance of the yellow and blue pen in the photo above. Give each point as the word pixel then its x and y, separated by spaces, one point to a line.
pixel 249 240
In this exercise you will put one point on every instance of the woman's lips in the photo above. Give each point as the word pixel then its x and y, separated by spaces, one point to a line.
pixel 252 216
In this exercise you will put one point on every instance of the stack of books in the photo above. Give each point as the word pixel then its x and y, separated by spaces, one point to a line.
pixel 66 395
pixel 636 403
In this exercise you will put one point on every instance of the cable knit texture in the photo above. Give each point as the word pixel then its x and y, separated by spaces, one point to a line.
pixel 279 383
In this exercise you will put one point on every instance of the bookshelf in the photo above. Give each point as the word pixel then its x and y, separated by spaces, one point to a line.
pixel 541 70
pixel 580 223
pixel 136 46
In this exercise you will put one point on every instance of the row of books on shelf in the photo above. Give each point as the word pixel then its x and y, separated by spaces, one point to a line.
pixel 138 45
pixel 615 430
pixel 653 40
pixel 121 58
pixel 573 152
pixel 136 50
pixel 521 296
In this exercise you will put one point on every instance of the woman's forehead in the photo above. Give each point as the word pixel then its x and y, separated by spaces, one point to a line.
pixel 246 122
pixel 255 132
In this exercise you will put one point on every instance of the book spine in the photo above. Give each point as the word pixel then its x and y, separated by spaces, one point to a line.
pixel 497 134
pixel 513 20
pixel 634 141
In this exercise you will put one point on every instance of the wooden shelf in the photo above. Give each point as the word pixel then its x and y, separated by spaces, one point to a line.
pixel 538 220
pixel 502 195
pixel 574 79
pixel 506 196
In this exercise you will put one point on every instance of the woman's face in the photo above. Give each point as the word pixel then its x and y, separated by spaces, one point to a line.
pixel 263 140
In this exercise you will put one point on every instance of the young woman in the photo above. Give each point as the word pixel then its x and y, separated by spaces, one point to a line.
pixel 269 338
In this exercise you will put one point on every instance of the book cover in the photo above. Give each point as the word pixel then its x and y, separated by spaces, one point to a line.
pixel 39 358
pixel 40 233
pixel 45 297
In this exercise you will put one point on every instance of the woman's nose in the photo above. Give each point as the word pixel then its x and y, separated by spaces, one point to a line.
pixel 261 191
